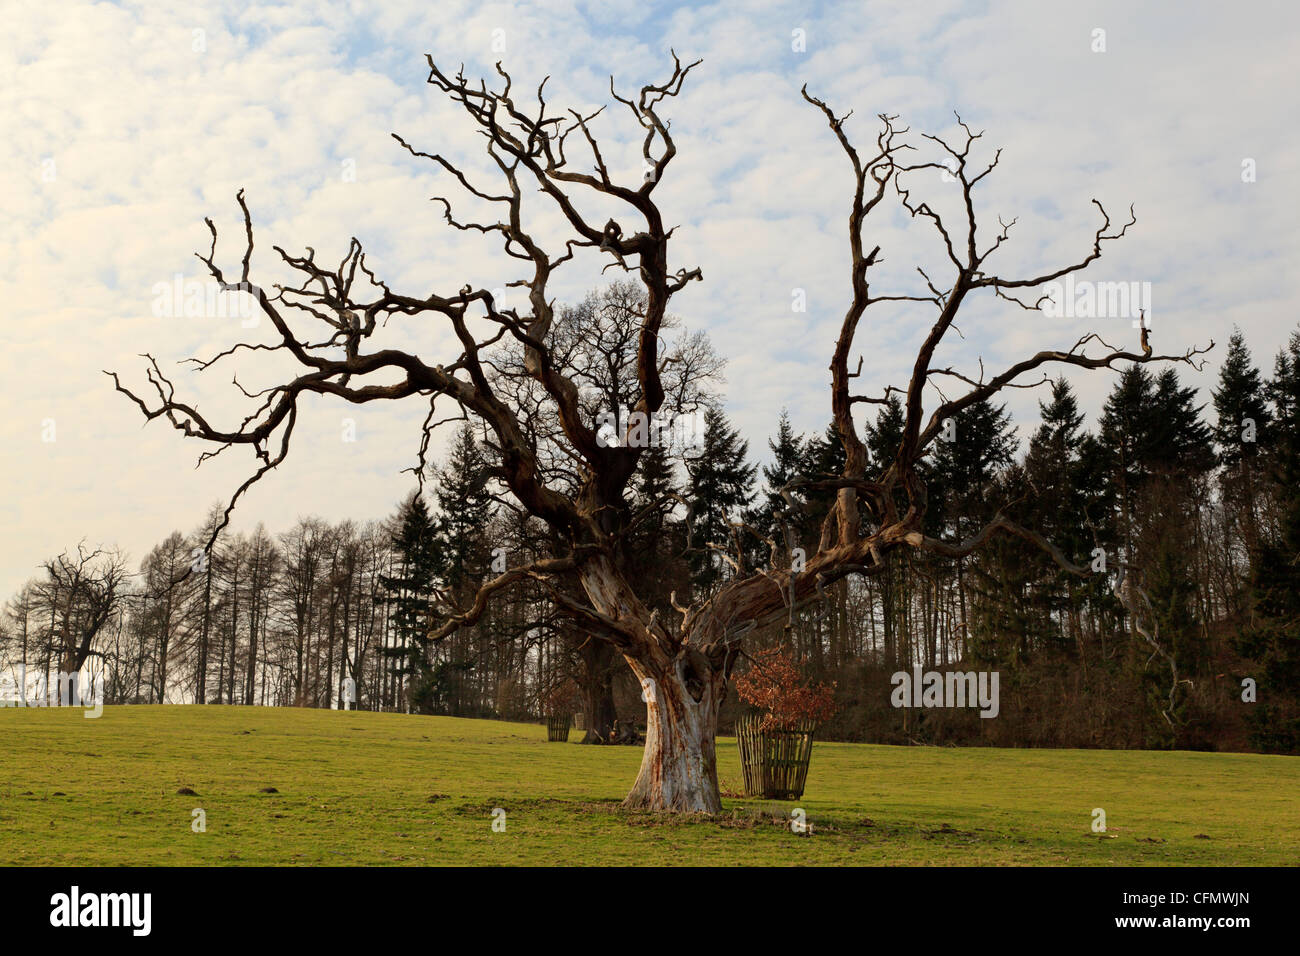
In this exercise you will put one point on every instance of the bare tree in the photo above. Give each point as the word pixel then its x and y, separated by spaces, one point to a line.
pixel 82 593
pixel 159 571
pixel 595 344
pixel 682 659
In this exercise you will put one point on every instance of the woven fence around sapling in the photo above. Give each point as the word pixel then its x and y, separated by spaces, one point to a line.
pixel 775 761
pixel 557 727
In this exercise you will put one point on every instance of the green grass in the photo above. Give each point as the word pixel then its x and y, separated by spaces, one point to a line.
pixel 363 788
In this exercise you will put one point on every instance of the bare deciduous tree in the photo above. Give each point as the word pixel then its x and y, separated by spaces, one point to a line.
pixel 83 593
pixel 683 660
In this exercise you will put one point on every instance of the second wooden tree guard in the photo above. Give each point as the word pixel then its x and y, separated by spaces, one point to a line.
pixel 775 762
pixel 557 727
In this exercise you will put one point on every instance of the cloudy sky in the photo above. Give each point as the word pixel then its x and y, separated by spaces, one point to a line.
pixel 122 125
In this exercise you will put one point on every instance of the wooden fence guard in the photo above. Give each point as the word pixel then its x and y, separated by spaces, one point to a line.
pixel 557 727
pixel 775 762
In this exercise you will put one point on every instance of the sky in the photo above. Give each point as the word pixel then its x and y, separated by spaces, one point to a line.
pixel 122 125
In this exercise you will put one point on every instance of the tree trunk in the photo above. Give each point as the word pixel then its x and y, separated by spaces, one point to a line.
pixel 678 767
pixel 599 661
pixel 201 693
pixel 682 690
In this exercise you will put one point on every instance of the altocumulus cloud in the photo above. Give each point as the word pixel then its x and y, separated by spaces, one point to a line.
pixel 123 125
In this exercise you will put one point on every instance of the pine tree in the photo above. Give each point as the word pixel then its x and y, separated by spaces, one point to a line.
pixel 983 441
pixel 963 487
pixel 464 509
pixel 1053 467
pixel 1284 388
pixel 823 458
pixel 1055 443
pixel 657 544
pixel 464 512
pixel 1180 442
pixel 1272 640
pixel 410 592
pixel 787 458
pixel 1240 403
pixel 655 483
pixel 1056 502
pixel 1157 451
pixel 721 489
pixel 1242 430
pixel 886 434
pixel 1183 458
pixel 882 439
pixel 1125 437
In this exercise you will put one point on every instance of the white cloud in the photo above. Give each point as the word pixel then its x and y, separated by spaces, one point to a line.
pixel 144 136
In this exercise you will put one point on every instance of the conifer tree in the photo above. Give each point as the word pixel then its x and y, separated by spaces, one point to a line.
pixel 464 512
pixel 963 482
pixel 823 458
pixel 1157 450
pixel 721 489
pixel 982 442
pixel 1055 497
pixel 410 592
pixel 787 461
pixel 1241 405
pixel 1272 640
pixel 1241 431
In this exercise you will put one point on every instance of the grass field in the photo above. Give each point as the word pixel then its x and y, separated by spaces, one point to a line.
pixel 364 788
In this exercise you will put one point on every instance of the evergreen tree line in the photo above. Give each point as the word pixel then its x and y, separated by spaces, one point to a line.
pixel 1200 512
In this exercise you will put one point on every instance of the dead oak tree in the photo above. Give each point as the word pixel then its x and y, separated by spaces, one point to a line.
pixel 683 660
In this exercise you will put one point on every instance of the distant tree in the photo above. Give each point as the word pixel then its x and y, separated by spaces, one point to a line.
pixel 418 558
pixel 1157 451
pixel 658 543
pixel 882 439
pixel 301 550
pixel 80 593
pixel 1022 604
pixel 962 477
pixel 1059 486
pixel 1053 466
pixel 1241 405
pixel 823 459
pixel 1272 639
pixel 721 489
pixel 1242 429
pixel 1180 441
pixel 464 511
pixel 232 562
pixel 788 451
pixel 963 467
pixel 21 629
pixel 164 566
pixel 264 567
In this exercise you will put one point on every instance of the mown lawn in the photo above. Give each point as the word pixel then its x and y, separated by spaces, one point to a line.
pixel 391 789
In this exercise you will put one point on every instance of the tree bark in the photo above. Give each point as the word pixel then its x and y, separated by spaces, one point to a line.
pixel 599 661
pixel 679 766
pixel 682 689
